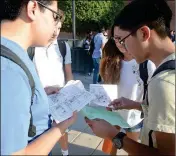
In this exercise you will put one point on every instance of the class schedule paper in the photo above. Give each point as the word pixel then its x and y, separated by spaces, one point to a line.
pixel 104 94
pixel 72 97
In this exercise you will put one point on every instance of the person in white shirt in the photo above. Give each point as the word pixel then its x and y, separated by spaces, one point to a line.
pixel 119 67
pixel 52 72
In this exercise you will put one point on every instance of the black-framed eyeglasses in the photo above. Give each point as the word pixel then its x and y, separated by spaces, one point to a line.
pixel 122 41
pixel 57 17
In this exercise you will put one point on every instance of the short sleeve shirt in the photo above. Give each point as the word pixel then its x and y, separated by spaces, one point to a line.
pixel 159 115
pixel 99 40
pixel 16 102
pixel 49 64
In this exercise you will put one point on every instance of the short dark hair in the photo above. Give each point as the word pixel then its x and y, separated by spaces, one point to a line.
pixel 13 8
pixel 154 13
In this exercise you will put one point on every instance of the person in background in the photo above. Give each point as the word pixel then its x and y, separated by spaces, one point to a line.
pixel 25 24
pixel 88 55
pixel 54 70
pixel 146 24
pixel 99 42
pixel 172 33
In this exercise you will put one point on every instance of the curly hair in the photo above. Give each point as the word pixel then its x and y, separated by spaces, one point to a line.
pixel 110 65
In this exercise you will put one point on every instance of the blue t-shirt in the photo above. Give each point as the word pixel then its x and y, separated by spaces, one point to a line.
pixel 16 102
pixel 99 40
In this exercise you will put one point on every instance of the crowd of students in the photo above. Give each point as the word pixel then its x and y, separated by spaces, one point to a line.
pixel 141 32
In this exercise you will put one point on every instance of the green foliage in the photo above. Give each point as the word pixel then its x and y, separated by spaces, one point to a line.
pixel 90 14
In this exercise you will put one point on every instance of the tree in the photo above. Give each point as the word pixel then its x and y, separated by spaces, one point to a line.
pixel 90 14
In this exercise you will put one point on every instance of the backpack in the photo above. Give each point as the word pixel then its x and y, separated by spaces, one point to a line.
pixel 62 48
pixel 8 54
pixel 92 46
pixel 169 65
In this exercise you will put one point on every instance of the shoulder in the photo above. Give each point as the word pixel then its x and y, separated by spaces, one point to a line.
pixel 162 86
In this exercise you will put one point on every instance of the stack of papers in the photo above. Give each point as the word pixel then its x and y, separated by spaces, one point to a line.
pixel 72 97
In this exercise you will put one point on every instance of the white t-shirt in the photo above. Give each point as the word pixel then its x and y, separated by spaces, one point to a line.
pixel 49 64
pixel 131 86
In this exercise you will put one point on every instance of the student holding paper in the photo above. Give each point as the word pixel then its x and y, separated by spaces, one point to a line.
pixel 26 23
pixel 126 74
pixel 149 30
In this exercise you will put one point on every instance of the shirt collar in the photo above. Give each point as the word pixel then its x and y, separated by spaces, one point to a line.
pixel 170 57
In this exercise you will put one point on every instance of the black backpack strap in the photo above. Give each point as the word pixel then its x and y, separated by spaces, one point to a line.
pixel 31 52
pixel 169 65
pixel 7 53
pixel 150 138
pixel 143 71
pixel 63 49
pixel 92 45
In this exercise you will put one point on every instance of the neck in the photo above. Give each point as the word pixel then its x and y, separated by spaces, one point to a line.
pixel 18 32
pixel 127 57
pixel 161 50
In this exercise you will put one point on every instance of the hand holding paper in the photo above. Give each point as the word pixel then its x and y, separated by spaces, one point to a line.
pixel 72 97
pixel 104 94
pixel 101 113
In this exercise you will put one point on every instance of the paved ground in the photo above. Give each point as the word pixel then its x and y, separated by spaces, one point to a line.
pixel 81 139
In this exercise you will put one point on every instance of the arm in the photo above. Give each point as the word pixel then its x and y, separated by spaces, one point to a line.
pixel 165 141
pixel 135 148
pixel 68 72
pixel 68 69
pixel 15 118
pixel 160 119
pixel 43 145
pixel 124 103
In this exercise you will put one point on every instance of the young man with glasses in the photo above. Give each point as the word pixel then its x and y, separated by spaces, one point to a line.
pixel 143 28
pixel 26 23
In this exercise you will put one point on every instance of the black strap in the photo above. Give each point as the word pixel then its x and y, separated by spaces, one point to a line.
pixel 92 46
pixel 7 53
pixel 31 52
pixel 150 138
pixel 169 65
pixel 143 71
pixel 62 49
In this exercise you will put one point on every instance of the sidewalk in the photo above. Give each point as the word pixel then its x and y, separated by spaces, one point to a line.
pixel 81 139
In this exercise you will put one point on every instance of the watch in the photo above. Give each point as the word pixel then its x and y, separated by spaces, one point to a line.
pixel 118 140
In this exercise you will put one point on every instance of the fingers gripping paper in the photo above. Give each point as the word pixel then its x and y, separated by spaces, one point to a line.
pixel 72 97
pixel 101 113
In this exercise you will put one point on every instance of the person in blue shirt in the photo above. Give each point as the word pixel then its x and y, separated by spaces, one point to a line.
pixel 24 24
pixel 99 42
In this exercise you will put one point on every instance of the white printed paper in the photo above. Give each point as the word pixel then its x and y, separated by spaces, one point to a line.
pixel 104 94
pixel 72 97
